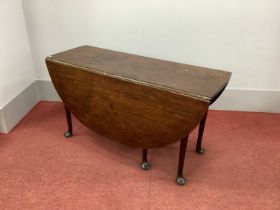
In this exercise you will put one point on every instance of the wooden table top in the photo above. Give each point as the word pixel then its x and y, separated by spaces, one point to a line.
pixel 194 81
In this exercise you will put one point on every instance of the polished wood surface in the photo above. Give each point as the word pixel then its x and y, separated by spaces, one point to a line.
pixel 138 101
pixel 181 78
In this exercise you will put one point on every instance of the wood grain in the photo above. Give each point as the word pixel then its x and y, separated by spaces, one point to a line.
pixel 182 78
pixel 140 113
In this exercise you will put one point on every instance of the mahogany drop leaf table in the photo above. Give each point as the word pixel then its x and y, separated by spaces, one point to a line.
pixel 135 100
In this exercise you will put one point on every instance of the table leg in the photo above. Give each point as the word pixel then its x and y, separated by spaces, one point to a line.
pixel 183 146
pixel 199 149
pixel 69 132
pixel 145 165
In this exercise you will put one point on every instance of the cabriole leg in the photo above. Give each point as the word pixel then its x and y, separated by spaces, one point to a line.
pixel 183 146
pixel 145 165
pixel 199 149
pixel 69 132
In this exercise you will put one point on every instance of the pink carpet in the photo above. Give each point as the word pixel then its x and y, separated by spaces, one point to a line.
pixel 40 169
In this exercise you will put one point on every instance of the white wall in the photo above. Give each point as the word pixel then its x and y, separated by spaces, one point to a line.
pixel 241 36
pixel 16 66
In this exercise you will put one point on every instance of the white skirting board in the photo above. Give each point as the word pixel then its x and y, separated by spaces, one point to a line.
pixel 47 91
pixel 249 100
pixel 18 107
pixel 231 100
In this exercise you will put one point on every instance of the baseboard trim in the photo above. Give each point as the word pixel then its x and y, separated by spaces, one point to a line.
pixel 47 91
pixel 231 100
pixel 249 101
pixel 3 126
pixel 18 107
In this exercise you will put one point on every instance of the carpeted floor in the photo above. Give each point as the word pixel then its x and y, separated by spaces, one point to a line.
pixel 40 169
